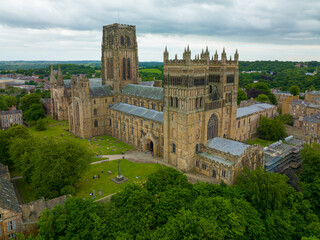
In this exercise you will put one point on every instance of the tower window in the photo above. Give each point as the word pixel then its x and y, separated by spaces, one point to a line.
pixel 223 173
pixel 171 101
pixel 197 148
pixel 95 111
pixel 122 40
pixel 173 148
pixel 239 124
pixel 142 104
pixel 94 101
pixel 135 102
pixel 141 133
pixel 128 70
pixel 177 102
pixel 110 122
pixel 124 69
pixel 153 106
pixel 117 124
pixel 132 130
pixel 204 166
pixel 128 41
pixel 96 123
pixel 124 127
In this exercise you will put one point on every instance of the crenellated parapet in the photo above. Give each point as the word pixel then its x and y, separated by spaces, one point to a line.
pixel 200 59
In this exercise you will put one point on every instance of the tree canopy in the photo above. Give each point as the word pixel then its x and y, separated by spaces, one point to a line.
pixel 260 206
pixel 294 90
pixel 242 95
pixel 271 129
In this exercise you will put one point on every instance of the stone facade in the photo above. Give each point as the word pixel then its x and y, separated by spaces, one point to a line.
pixel 10 212
pixel 248 119
pixel 197 103
pixel 310 125
pixel 300 107
pixel 8 118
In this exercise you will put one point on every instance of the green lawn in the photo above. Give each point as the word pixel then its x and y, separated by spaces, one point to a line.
pixel 150 70
pixel 103 145
pixel 26 190
pixel 128 169
pixel 260 141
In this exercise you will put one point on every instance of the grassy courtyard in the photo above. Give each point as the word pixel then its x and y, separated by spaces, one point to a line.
pixel 259 141
pixel 103 186
pixel 103 145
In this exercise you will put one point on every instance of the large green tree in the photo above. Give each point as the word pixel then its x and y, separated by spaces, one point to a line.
pixel 29 100
pixel 294 90
pixel 242 95
pixel 50 165
pixel 262 98
pixel 271 129
pixel 34 112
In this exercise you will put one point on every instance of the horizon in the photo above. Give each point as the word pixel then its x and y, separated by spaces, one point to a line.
pixel 69 31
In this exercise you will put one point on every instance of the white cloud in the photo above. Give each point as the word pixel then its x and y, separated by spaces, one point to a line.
pixel 71 29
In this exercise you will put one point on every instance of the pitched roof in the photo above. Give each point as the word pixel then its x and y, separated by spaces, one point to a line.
pixel 216 159
pixel 93 82
pixel 154 93
pixel 10 112
pixel 227 146
pixel 241 112
pixel 8 199
pixel 102 91
pixel 139 111
pixel 312 118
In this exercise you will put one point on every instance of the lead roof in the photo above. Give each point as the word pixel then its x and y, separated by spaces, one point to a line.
pixel 155 93
pixel 138 111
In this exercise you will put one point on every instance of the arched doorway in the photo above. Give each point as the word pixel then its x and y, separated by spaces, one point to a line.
pixel 214 174
pixel 212 130
pixel 150 146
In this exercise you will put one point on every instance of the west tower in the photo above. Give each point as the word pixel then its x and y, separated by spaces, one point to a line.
pixel 119 60
pixel 200 99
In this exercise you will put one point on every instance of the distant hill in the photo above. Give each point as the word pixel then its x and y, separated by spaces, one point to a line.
pixel 25 65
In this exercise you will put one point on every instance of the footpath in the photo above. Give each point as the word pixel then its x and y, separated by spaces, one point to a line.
pixel 142 157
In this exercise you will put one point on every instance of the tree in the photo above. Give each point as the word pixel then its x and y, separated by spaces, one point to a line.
pixel 41 125
pixel 29 100
pixel 76 219
pixel 241 96
pixel 34 112
pixel 3 105
pixel 262 98
pixel 166 178
pixel 264 190
pixel 294 90
pixel 271 129
pixel 311 163
pixel 10 100
pixel 6 140
pixel 286 119
pixel 49 165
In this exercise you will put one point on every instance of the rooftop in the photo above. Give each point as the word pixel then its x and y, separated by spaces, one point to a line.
pixel 138 111
pixel 312 118
pixel 258 107
pixel 314 92
pixel 154 93
pixel 216 159
pixel 10 112
pixel 101 91
pixel 8 199
pixel 93 82
pixel 228 146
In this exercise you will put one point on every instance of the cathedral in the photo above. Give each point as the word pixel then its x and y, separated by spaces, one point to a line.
pixel 192 122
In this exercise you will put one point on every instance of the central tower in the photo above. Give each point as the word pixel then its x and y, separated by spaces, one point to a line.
pixel 200 103
pixel 119 60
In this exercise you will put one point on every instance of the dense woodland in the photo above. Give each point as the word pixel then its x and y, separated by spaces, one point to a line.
pixel 276 74
pixel 260 206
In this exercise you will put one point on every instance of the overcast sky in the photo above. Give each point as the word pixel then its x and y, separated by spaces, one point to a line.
pixel 72 29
